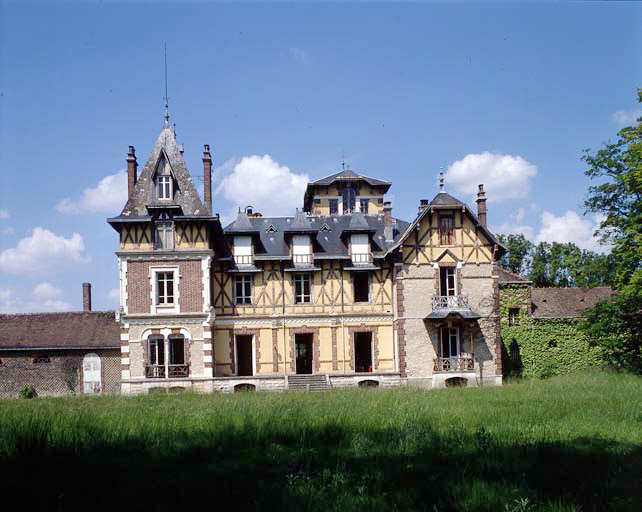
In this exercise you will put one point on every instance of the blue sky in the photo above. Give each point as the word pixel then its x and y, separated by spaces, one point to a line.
pixel 504 93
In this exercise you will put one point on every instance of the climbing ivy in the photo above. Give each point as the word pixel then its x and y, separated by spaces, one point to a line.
pixel 543 347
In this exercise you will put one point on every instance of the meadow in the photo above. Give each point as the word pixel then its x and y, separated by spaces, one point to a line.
pixel 563 444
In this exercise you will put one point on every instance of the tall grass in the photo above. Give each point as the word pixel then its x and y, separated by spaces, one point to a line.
pixel 567 443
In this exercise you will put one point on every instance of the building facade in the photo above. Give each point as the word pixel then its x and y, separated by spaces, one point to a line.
pixel 339 294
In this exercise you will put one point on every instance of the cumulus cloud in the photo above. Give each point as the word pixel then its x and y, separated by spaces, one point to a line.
pixel 626 117
pixel 4 214
pixel 570 227
pixel 262 183
pixel 515 226
pixel 46 290
pixel 10 303
pixel 108 196
pixel 503 176
pixel 42 251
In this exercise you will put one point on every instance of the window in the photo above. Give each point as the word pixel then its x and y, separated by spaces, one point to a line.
pixel 349 198
pixel 363 352
pixel 165 288
pixel 164 187
pixel 361 283
pixel 244 355
pixel 363 205
pixel 302 288
pixel 446 230
pixel 41 359
pixel 156 351
pixel 449 342
pixel 513 316
pixel 243 289
pixel 177 349
pixel 447 281
pixel 164 235
pixel 334 206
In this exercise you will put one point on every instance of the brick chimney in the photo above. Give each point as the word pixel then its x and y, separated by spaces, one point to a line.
pixel 86 297
pixel 207 176
pixel 481 205
pixel 423 204
pixel 388 231
pixel 132 169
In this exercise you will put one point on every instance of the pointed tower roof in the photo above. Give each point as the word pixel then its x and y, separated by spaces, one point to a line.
pixel 185 195
pixel 358 224
pixel 241 225
pixel 300 224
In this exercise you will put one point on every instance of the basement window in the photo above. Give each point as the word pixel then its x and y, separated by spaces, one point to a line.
pixel 361 283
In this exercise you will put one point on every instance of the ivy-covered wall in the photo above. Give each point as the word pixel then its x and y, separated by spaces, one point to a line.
pixel 545 346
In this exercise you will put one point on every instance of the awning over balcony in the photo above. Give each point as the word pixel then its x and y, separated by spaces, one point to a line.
pixel 440 314
pixel 451 306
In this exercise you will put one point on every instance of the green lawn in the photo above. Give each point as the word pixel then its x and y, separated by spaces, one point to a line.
pixel 568 443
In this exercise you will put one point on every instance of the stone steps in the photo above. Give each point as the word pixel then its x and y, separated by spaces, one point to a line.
pixel 308 382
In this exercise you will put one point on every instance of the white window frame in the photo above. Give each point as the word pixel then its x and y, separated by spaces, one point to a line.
pixel 164 187
pixel 453 271
pixel 157 306
pixel 301 298
pixel 245 278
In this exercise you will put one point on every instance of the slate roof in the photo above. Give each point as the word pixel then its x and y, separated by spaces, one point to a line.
pixel 566 302
pixel 444 199
pixel 345 176
pixel 94 329
pixel 185 194
pixel 326 243
pixel 508 277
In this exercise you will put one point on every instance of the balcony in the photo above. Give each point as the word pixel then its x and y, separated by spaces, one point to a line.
pixel 243 260
pixel 361 258
pixel 454 364
pixel 450 302
pixel 172 371
pixel 302 259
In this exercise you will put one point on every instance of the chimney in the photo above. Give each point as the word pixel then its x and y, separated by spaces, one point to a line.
pixel 86 297
pixel 207 174
pixel 481 205
pixel 388 232
pixel 423 204
pixel 132 168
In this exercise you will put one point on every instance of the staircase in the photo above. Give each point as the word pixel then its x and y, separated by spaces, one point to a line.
pixel 315 382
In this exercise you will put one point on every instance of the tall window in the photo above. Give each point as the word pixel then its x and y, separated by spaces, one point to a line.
pixel 156 351
pixel 164 187
pixel 164 235
pixel 165 288
pixel 449 341
pixel 513 316
pixel 302 288
pixel 361 284
pixel 334 206
pixel 363 205
pixel 243 289
pixel 349 198
pixel 177 349
pixel 447 281
pixel 446 231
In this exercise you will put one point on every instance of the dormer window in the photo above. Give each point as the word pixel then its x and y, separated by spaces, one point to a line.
pixel 446 230
pixel 164 182
pixel 243 254
pixel 360 249
pixel 301 250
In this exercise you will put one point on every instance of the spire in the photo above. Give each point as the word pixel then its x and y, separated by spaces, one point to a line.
pixel 166 98
pixel 441 179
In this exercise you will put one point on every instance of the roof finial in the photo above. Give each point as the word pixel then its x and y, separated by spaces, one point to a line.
pixel 441 179
pixel 343 160
pixel 166 98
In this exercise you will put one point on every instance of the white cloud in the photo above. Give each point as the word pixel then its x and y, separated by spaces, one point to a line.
pixel 109 196
pixel 10 303
pixel 503 176
pixel 114 295
pixel 46 290
pixel 570 227
pixel 41 251
pixel 4 214
pixel 259 181
pixel 626 117
pixel 515 226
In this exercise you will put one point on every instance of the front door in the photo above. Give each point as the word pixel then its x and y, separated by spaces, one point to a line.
pixel 304 354
pixel 244 366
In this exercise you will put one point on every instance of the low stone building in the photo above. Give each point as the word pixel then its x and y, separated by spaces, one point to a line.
pixel 60 353
pixel 541 327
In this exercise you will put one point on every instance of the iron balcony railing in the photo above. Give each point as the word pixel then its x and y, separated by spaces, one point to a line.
pixel 454 364
pixel 243 259
pixel 361 258
pixel 449 301
pixel 172 371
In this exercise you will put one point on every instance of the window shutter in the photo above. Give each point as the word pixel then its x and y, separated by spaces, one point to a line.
pixel 186 348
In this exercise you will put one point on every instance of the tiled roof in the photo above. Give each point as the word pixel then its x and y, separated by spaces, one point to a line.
pixel 95 329
pixel 327 231
pixel 566 302
pixel 508 277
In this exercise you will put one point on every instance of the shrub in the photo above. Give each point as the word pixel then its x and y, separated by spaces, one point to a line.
pixel 28 392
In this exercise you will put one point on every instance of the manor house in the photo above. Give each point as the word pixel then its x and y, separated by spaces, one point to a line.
pixel 339 294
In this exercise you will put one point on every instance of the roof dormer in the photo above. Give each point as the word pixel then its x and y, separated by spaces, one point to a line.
pixel 164 180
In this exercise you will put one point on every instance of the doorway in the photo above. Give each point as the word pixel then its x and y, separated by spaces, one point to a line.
pixel 244 364
pixel 304 353
pixel 363 352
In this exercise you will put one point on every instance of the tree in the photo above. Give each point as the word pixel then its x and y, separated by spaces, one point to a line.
pixel 618 196
pixel 518 248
